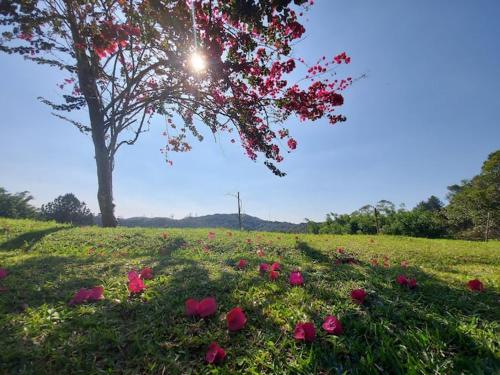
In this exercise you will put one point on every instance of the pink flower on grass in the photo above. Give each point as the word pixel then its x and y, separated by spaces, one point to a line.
pixel 276 266
pixel 264 267
pixel 211 235
pixel 273 275
pixel 135 283
pixel 87 295
pixel 3 273
pixel 475 285
pixel 305 332
pixel 146 273
pixel 332 325
pixel 215 354
pixel 402 280
pixel 412 283
pixel 236 319
pixel 191 307
pixel 296 278
pixel 358 296
pixel 207 307
pixel 242 264
pixel 204 308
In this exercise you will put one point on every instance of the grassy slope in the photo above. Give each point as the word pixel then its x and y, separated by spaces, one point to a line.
pixel 441 327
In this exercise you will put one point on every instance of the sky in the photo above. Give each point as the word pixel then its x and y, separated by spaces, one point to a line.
pixel 426 115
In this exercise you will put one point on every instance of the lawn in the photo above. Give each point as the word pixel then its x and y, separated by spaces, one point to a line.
pixel 438 327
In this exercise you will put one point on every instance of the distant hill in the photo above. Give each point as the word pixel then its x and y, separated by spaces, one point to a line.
pixel 229 221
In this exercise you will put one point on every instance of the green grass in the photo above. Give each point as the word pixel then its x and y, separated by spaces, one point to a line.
pixel 441 327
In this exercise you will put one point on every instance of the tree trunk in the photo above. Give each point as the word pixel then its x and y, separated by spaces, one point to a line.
pixel 105 186
pixel 87 79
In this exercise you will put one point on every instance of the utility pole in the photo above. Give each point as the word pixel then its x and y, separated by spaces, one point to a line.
pixel 239 210
pixel 376 219
pixel 237 196
pixel 487 227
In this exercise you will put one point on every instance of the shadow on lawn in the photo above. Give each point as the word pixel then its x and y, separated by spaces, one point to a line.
pixel 150 334
pixel 27 240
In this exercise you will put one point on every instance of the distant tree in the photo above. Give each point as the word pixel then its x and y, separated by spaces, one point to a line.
pixel 474 208
pixel 67 209
pixel 16 205
pixel 433 204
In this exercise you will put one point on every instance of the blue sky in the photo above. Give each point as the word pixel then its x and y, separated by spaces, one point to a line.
pixel 426 116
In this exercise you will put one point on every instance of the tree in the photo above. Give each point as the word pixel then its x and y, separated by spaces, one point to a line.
pixel 219 62
pixel 433 204
pixel 474 208
pixel 16 205
pixel 67 209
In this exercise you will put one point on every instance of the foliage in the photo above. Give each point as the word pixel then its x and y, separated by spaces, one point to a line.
pixel 16 205
pixel 475 204
pixel 226 63
pixel 440 327
pixel 229 221
pixel 67 209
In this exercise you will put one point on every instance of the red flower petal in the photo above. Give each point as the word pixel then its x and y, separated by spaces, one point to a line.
pixel 207 307
pixel 215 354
pixel 276 266
pixel 264 267
pixel 132 275
pixel 305 332
pixel 136 285
pixel 358 296
pixel 191 307
pixel 475 285
pixel 96 293
pixel 332 325
pixel 412 283
pixel 402 280
pixel 296 278
pixel 80 297
pixel 146 273
pixel 242 264
pixel 3 273
pixel 273 275
pixel 236 319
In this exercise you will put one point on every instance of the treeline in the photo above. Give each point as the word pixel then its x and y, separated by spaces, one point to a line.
pixel 472 212
pixel 64 209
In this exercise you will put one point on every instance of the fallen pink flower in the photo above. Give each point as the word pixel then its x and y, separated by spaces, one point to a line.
pixel 207 307
pixel 273 275
pixel 3 273
pixel 276 266
pixel 332 325
pixel 242 264
pixel 215 354
pixel 358 296
pixel 146 274
pixel 264 267
pixel 296 278
pixel 475 285
pixel 305 332
pixel 236 319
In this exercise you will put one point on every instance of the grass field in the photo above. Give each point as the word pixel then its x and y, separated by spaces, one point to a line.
pixel 440 327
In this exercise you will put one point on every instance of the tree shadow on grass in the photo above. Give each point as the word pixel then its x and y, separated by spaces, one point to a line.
pixel 27 240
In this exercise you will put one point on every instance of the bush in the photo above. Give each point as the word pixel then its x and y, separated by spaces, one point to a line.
pixel 67 209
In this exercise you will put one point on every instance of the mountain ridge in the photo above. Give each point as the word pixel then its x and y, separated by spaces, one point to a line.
pixel 229 221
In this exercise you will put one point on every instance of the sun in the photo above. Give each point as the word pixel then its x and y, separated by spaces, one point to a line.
pixel 198 62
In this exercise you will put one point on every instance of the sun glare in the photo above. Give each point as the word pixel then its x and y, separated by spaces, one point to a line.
pixel 198 62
